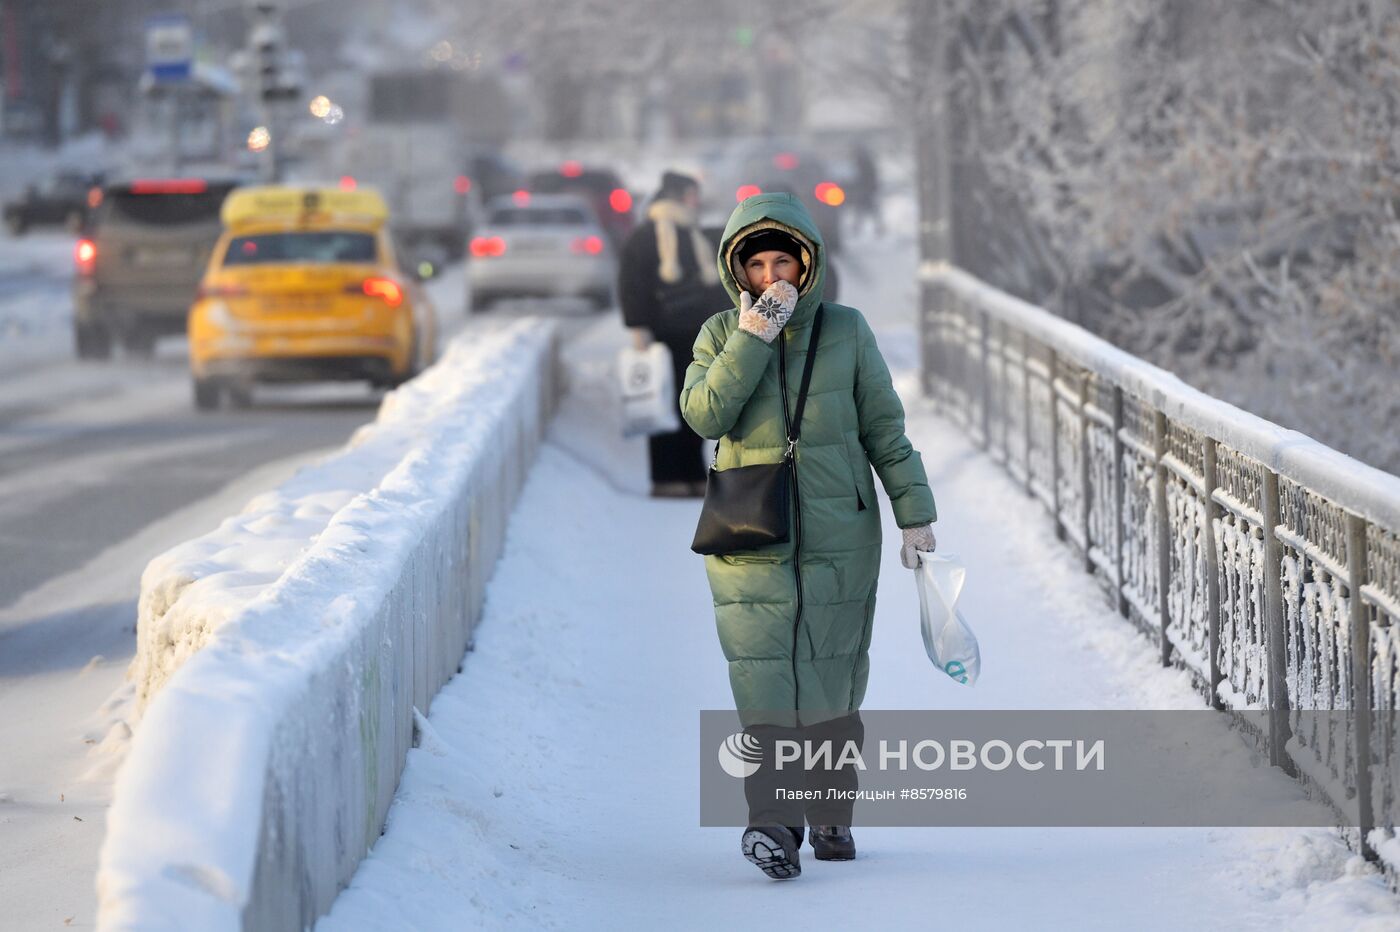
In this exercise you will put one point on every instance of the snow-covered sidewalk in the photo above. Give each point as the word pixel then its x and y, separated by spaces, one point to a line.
pixel 556 782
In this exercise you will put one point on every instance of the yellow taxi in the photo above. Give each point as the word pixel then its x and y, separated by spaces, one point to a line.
pixel 304 285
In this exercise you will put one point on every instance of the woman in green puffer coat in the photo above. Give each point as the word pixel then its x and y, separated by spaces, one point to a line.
pixel 794 619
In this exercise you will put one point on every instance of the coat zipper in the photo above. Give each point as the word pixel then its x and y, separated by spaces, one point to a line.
pixel 796 511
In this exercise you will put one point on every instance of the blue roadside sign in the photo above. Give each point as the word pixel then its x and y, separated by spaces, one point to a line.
pixel 169 48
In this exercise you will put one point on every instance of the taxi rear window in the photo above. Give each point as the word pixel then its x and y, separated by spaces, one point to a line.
pixel 320 246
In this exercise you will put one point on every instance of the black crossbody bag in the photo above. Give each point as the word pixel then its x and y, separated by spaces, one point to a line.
pixel 751 506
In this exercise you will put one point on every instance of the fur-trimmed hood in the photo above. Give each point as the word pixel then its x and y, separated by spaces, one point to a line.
pixel 781 212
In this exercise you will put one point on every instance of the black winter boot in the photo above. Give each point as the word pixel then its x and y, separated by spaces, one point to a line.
pixel 832 842
pixel 774 849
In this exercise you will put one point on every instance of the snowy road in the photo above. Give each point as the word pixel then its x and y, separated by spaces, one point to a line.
pixel 557 777
pixel 36 299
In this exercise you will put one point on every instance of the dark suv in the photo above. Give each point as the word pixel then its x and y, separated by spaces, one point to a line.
pixel 141 259
pixel 774 166
pixel 62 199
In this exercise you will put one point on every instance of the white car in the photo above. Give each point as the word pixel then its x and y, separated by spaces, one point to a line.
pixel 540 246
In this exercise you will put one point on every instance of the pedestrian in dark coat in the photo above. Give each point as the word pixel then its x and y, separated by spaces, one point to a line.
pixel 668 286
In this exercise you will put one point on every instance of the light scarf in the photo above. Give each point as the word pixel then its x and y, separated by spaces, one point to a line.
pixel 668 215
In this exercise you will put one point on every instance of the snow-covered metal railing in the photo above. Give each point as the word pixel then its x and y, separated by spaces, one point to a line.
pixel 1262 561
pixel 284 657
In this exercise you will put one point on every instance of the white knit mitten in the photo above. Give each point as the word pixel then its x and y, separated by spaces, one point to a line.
pixel 916 538
pixel 766 316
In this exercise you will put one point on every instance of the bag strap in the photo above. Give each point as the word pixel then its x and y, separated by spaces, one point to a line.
pixel 806 376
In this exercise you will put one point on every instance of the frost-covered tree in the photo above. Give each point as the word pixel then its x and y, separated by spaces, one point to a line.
pixel 1212 184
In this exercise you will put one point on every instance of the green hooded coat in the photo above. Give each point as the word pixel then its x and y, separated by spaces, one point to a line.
pixel 794 619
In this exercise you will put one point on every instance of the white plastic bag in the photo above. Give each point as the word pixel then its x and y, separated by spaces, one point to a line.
pixel 648 386
pixel 950 643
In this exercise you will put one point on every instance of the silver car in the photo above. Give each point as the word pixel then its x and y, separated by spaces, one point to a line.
pixel 540 246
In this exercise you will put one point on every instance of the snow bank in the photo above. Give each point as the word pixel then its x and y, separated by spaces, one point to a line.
pixel 281 657
pixel 1368 492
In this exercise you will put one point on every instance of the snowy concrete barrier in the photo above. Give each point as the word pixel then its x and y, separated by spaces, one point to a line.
pixel 1262 561
pixel 281 658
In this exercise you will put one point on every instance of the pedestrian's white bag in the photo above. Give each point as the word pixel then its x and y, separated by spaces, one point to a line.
pixel 648 391
pixel 950 643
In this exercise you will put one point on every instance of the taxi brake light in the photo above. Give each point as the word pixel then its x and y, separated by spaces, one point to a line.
pixel 85 254
pixel 462 184
pixel 486 246
pixel 521 198
pixel 571 169
pixel 619 200
pixel 348 183
pixel 386 289
pixel 747 191
pixel 592 245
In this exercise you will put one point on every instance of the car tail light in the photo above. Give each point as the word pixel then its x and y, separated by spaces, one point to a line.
pixel 619 200
pixel 385 289
pixel 785 161
pixel 592 245
pixel 94 198
pixel 747 191
pixel 348 183
pixel 169 186
pixel 85 254
pixel 571 169
pixel 521 198
pixel 486 246
pixel 830 194
pixel 462 184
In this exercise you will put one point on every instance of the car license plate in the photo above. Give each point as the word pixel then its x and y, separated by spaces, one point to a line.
pixel 155 257
pixel 298 302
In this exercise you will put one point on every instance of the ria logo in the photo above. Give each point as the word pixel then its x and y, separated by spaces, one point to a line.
pixel 740 754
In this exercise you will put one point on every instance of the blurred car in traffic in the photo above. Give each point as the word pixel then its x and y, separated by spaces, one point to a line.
pixel 305 285
pixel 63 199
pixel 600 187
pixel 486 175
pixel 774 166
pixel 542 246
pixel 140 259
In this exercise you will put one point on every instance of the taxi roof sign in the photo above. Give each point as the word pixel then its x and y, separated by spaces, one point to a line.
pixel 272 203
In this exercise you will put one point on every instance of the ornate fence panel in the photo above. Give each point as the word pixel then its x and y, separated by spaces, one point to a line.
pixel 1263 562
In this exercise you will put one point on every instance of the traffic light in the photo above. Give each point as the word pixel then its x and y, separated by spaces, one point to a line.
pixel 267 45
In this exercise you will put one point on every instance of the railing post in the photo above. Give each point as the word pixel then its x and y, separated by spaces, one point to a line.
pixel 927 336
pixel 1118 535
pixel 985 339
pixel 1055 446
pixel 1086 491
pixel 1026 405
pixel 1004 406
pixel 1360 676
pixel 1212 570
pixel 1274 627
pixel 1163 528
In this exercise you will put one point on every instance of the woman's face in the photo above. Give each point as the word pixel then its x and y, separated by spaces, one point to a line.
pixel 765 268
